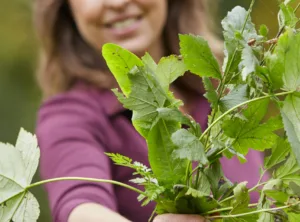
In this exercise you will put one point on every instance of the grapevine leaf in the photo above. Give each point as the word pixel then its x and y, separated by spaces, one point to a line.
pixel 249 62
pixel 198 57
pixel 167 169
pixel 211 94
pixel 188 147
pixel 236 96
pixel 169 69
pixel 120 62
pixel 279 152
pixel 17 167
pixel 290 113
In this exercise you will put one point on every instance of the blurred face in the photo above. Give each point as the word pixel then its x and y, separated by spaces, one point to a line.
pixel 133 24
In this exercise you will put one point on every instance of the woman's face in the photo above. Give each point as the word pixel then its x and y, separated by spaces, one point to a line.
pixel 133 24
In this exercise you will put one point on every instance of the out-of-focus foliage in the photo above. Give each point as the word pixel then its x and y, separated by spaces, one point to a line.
pixel 19 94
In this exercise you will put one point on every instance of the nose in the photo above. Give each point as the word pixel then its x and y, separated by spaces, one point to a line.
pixel 117 4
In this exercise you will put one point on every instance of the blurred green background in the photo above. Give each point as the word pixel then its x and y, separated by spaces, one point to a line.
pixel 19 94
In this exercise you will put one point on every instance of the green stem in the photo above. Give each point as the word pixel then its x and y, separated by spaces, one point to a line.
pixel 223 80
pixel 239 105
pixel 85 179
pixel 226 209
pixel 253 212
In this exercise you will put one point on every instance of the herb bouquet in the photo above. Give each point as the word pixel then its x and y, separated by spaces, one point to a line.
pixel 256 71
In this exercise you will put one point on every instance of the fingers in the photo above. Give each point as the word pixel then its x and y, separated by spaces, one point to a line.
pixel 179 218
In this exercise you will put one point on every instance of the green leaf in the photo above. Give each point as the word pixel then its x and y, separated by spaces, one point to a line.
pixel 215 177
pixel 191 201
pixel 249 62
pixel 120 62
pixel 169 171
pixel 249 133
pixel 287 17
pixel 145 98
pixel 204 184
pixel 169 69
pixel 237 95
pixel 265 216
pixel 198 57
pixel 241 198
pixel 188 147
pixel 152 193
pixel 232 24
pixel 275 68
pixel 17 167
pixel 149 62
pixel 175 115
pixel 279 152
pixel 211 94
pixel 290 113
pixel 293 217
pixel 288 172
pixel 264 31
pixel 283 59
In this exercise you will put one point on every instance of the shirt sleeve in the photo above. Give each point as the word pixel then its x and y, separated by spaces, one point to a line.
pixel 69 134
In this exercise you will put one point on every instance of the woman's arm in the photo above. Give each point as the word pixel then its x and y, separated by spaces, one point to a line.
pixel 92 212
pixel 69 132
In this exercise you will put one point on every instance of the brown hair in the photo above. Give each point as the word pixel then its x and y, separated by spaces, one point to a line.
pixel 65 57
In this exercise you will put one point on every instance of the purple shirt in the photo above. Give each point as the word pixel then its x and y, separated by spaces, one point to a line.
pixel 74 130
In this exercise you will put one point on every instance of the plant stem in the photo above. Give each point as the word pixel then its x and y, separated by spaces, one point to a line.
pixel 85 179
pixel 223 80
pixel 226 209
pixel 239 105
pixel 253 212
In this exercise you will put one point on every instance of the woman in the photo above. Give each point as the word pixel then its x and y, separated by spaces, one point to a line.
pixel 81 119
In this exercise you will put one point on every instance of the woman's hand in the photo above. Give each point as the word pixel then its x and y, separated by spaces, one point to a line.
pixel 179 218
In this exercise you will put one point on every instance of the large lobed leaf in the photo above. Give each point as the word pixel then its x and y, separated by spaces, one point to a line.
pixel 250 133
pixel 198 57
pixel 17 166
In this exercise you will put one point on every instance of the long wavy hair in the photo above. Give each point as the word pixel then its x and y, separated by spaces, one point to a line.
pixel 65 57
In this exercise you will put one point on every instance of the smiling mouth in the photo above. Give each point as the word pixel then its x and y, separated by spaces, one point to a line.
pixel 122 24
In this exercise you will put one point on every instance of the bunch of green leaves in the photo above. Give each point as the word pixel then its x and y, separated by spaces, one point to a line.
pixel 257 72
pixel 185 174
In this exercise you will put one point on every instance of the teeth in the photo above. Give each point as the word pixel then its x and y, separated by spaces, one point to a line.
pixel 124 24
